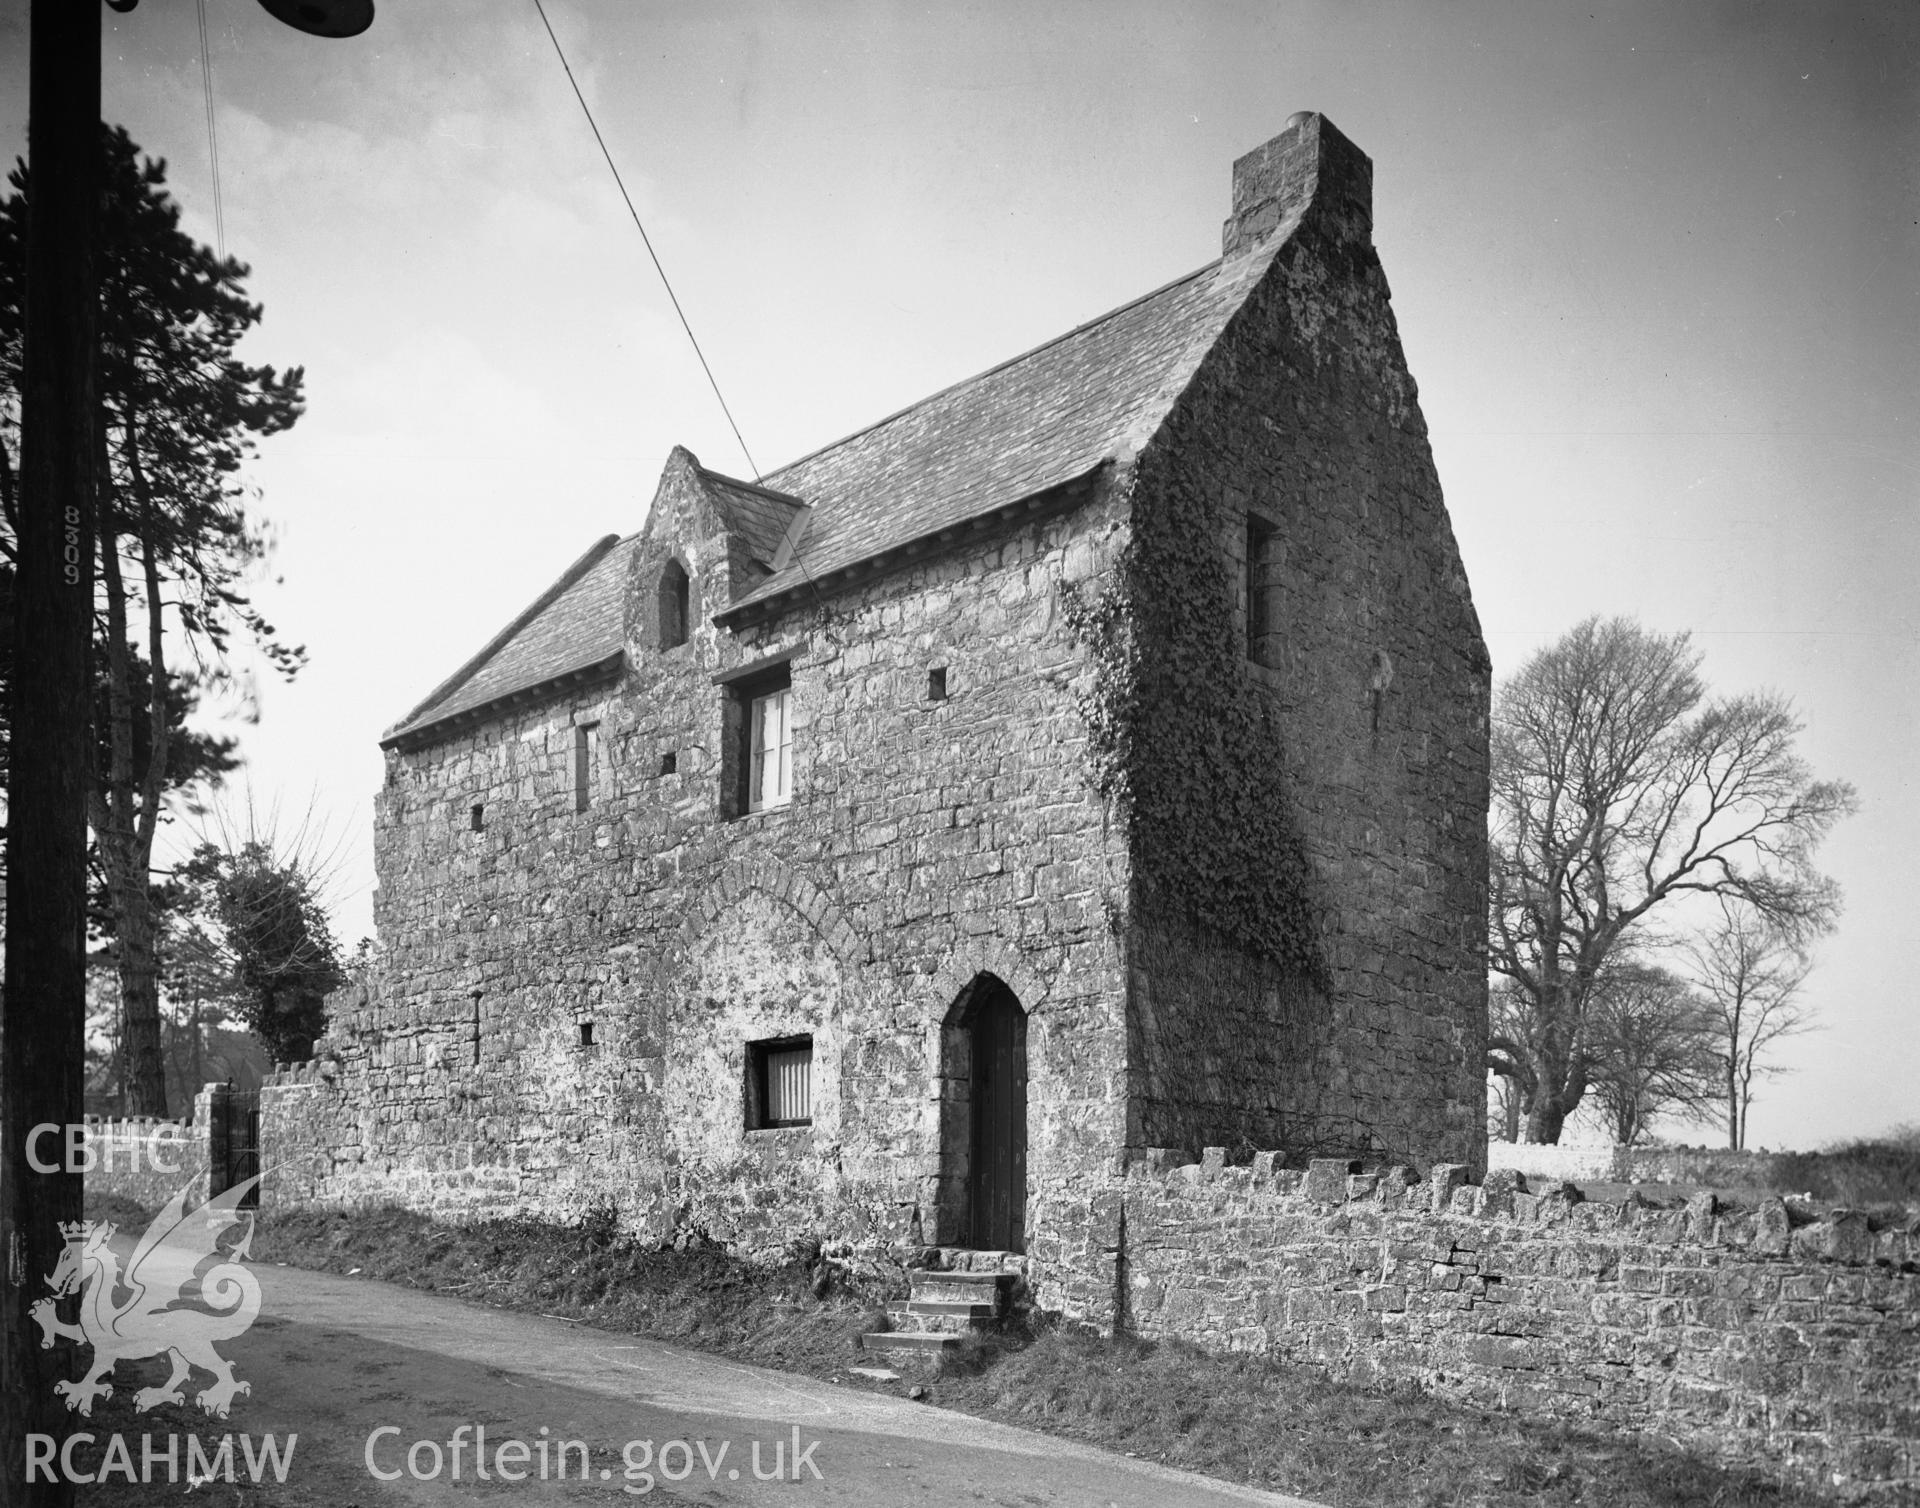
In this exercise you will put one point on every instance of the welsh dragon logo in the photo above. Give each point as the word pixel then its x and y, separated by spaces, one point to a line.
pixel 146 1310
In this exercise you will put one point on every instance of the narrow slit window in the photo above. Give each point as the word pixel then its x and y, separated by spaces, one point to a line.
pixel 669 762
pixel 586 1034
pixel 477 818
pixel 1259 588
pixel 937 684
pixel 586 748
pixel 475 1023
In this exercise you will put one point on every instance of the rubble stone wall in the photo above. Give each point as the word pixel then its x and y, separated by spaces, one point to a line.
pixel 1739 1331
pixel 929 840
pixel 145 1158
pixel 1308 753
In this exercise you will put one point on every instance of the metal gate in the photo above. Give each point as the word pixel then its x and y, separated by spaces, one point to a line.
pixel 236 1158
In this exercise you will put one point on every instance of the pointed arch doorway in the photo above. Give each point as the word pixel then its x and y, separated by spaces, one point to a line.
pixel 984 1120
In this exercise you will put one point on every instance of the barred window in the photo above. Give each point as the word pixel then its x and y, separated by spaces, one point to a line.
pixel 779 1083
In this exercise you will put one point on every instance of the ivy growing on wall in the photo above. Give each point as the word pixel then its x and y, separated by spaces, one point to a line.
pixel 1185 747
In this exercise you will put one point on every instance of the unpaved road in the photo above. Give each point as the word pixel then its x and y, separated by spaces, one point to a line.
pixel 337 1359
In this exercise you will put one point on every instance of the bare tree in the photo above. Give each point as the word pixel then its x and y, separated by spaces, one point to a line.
pixel 260 937
pixel 1513 1082
pixel 1650 1046
pixel 1751 973
pixel 1619 786
pixel 1505 1102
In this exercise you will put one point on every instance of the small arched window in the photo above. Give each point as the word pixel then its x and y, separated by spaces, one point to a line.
pixel 673 605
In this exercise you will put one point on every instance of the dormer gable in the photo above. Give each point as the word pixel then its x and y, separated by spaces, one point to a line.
pixel 705 521
pixel 763 528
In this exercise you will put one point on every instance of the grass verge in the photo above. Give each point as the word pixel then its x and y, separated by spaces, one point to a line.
pixel 1246 1419
pixel 1881 1174
pixel 1291 1429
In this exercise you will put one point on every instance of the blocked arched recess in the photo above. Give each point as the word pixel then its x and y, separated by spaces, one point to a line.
pixel 782 883
pixel 979 1194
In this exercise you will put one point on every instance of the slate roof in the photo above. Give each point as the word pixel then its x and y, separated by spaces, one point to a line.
pixel 1028 424
pixel 757 514
pixel 571 630
pixel 1037 422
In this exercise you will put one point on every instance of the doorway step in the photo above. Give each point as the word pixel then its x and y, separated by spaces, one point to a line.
pixel 944 1305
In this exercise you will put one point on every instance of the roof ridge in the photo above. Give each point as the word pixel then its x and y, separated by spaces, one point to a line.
pixel 595 553
pixel 1000 366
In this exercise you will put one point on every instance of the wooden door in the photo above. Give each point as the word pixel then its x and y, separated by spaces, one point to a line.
pixel 998 1165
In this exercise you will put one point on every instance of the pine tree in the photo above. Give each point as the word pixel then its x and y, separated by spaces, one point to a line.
pixel 178 416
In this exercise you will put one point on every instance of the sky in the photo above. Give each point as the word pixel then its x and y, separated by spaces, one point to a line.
pixel 1656 268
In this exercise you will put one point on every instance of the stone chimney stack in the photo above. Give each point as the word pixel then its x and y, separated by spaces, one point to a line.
pixel 1309 163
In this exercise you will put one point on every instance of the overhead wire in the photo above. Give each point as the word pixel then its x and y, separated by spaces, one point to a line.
pixel 213 138
pixel 646 240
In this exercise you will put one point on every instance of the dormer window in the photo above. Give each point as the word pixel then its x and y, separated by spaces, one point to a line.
pixel 673 605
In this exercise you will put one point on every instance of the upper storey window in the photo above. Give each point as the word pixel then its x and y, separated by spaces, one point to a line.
pixel 756 763
pixel 673 604
pixel 586 748
pixel 770 742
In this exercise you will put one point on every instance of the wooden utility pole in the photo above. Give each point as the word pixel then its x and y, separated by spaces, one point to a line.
pixel 43 1013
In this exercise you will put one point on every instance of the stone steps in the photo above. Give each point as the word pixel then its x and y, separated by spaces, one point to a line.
pixel 960 1287
pixel 907 1344
pixel 944 1305
pixel 940 1315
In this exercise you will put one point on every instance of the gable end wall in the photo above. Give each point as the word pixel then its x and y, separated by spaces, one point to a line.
pixel 1357 749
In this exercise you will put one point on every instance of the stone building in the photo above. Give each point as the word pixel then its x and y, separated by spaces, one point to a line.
pixel 1090 757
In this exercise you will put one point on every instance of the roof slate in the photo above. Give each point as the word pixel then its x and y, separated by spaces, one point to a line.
pixel 1033 423
pixel 580 627
pixel 759 516
pixel 1028 424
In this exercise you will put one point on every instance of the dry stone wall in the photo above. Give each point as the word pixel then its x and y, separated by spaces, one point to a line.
pixel 1737 1330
